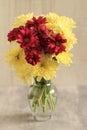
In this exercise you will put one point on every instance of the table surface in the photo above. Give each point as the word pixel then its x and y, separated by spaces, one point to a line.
pixel 70 112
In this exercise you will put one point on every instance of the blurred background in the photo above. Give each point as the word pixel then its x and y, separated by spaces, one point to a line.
pixel 76 74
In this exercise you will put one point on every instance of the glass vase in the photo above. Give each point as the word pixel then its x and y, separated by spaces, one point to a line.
pixel 42 98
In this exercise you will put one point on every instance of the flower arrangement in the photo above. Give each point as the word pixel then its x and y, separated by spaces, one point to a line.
pixel 41 44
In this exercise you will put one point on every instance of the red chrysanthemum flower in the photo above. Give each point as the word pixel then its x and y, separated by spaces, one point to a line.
pixel 39 20
pixel 55 44
pixel 43 32
pixel 32 57
pixel 12 35
pixel 59 46
pixel 35 22
pixel 59 49
pixel 40 29
pixel 29 24
pixel 59 39
pixel 27 38
pixel 49 48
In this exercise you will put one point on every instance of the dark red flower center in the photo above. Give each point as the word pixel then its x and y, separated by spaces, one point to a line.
pixel 57 43
pixel 26 40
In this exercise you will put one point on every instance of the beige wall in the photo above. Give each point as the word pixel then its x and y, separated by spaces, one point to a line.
pixel 9 9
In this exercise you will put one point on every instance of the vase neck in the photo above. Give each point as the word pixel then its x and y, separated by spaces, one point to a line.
pixel 42 81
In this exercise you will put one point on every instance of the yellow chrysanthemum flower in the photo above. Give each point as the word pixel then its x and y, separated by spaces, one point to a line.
pixel 66 23
pixel 52 22
pixel 46 68
pixel 64 58
pixel 59 23
pixel 21 20
pixel 25 72
pixel 15 56
pixel 71 40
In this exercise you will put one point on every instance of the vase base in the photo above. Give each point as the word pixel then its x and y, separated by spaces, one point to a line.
pixel 42 117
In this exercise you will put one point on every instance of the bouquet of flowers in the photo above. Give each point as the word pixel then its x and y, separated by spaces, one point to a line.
pixel 41 44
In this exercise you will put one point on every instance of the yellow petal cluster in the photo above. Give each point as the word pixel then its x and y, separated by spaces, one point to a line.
pixel 46 68
pixel 25 72
pixel 64 58
pixel 15 56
